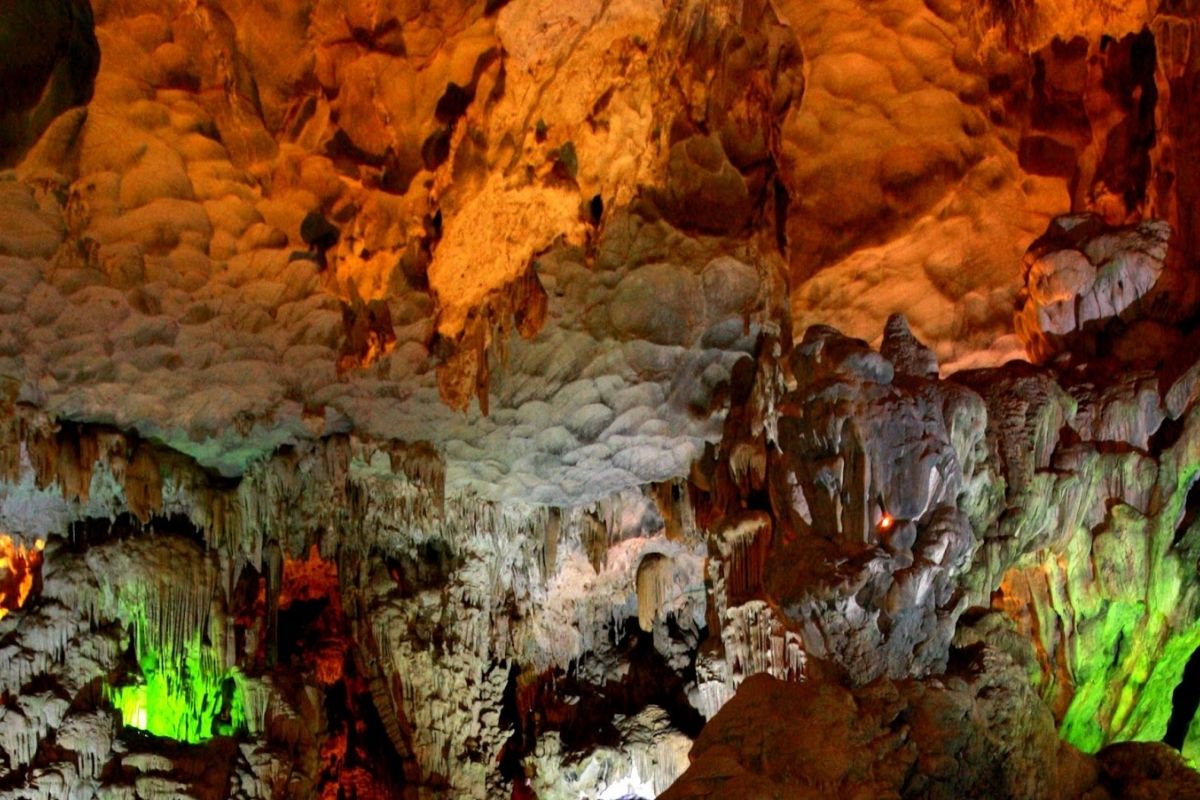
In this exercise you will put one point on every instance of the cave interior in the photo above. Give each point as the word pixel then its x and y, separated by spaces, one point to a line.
pixel 599 399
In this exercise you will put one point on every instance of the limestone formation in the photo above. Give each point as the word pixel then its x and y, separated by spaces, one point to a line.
pixel 530 399
pixel 1080 275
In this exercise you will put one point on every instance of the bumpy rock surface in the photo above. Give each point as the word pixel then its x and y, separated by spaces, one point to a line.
pixel 172 210
pixel 977 732
pixel 878 458
pixel 848 516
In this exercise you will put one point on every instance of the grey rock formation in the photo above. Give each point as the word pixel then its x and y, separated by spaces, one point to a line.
pixel 419 400
pixel 880 459
pixel 1082 273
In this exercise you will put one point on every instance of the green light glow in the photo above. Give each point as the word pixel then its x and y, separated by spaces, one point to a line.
pixel 190 699
pixel 1191 744
pixel 1128 655
pixel 1126 679
pixel 1097 660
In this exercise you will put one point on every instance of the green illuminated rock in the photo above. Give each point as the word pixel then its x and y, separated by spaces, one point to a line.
pixel 184 690
pixel 191 702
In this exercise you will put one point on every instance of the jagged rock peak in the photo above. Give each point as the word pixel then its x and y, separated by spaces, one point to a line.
pixel 907 354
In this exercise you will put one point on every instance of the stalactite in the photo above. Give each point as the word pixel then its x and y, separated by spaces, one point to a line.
pixel 596 537
pixel 463 373
pixel 274 564
pixel 655 578
pixel 743 546
pixel 90 736
pixel 453 591
pixel 550 544
pixel 755 641
pixel 673 500
pixel 421 464
pixel 143 484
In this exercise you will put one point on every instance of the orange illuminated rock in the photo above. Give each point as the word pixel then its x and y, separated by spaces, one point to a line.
pixel 314 579
pixel 20 568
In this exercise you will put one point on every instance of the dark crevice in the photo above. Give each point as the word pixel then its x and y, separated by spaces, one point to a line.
pixel 1191 510
pixel 649 681
pixel 378 40
pixel 596 209
pixel 453 103
pixel 341 148
pixel 519 743
pixel 534 706
pixel 1165 437
pixel 1129 78
pixel 434 563
pixel 1184 702
pixel 436 148
pixel 368 747
pixel 92 531
pixel 782 201
pixel 49 63
pixel 299 631
pixel 319 234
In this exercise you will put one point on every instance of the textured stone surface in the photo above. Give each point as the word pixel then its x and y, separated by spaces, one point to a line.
pixel 872 574
pixel 485 633
pixel 1079 275
pixel 979 732
pixel 187 216
pixel 497 399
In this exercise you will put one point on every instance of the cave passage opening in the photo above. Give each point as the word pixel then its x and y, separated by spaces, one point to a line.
pixel 1191 511
pixel 1184 702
